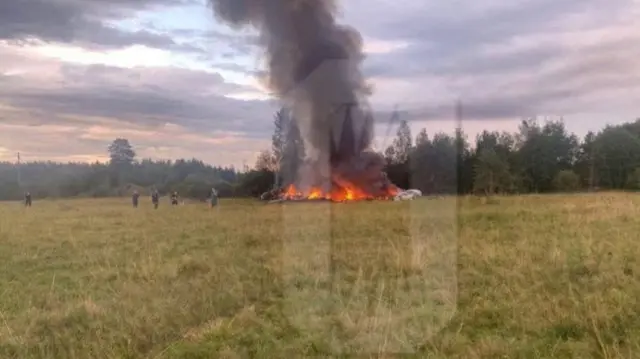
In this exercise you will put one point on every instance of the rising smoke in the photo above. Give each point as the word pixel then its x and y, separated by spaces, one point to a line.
pixel 313 66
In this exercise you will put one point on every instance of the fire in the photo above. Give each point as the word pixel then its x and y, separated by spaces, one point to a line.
pixel 290 192
pixel 348 194
pixel 336 194
pixel 316 193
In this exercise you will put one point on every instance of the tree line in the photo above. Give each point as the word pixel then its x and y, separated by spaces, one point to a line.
pixel 538 158
pixel 120 176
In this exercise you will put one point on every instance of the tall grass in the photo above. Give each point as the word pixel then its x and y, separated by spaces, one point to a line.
pixel 517 277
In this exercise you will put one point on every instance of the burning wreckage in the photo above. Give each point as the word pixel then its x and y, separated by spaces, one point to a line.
pixel 290 193
pixel 313 66
pixel 359 178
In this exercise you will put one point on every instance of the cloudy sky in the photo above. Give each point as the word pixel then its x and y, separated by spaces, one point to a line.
pixel 75 74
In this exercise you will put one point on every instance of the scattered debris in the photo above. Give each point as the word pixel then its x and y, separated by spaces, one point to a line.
pixel 408 195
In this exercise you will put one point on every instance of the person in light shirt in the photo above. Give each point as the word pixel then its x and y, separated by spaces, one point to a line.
pixel 27 199
pixel 213 199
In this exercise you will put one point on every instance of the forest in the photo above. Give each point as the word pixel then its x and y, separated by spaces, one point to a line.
pixel 538 158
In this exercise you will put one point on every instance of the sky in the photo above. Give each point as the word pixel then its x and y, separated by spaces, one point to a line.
pixel 76 74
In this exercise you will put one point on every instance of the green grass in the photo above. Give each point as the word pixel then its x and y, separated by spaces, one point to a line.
pixel 517 277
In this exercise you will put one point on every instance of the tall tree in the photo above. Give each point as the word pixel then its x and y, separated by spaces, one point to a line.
pixel 422 137
pixel 433 165
pixel 121 156
pixel 617 155
pixel 266 161
pixel 121 152
pixel 400 149
pixel 281 122
pixel 464 163
pixel 491 173
pixel 504 146
pixel 293 154
pixel 287 147
pixel 585 166
pixel 544 151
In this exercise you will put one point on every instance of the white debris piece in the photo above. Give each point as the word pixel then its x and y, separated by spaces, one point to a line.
pixel 408 195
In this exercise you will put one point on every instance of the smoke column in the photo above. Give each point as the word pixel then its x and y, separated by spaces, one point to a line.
pixel 313 66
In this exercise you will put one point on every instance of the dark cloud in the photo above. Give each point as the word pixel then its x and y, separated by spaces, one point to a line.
pixel 145 96
pixel 505 59
pixel 153 109
pixel 83 22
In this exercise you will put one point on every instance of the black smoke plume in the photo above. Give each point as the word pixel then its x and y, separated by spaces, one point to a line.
pixel 313 66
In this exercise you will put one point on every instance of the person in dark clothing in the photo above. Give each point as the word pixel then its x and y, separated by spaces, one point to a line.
pixel 155 198
pixel 134 199
pixel 27 199
pixel 174 199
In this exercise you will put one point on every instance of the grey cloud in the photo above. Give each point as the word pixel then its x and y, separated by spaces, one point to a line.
pixel 579 83
pixel 83 23
pixel 241 42
pixel 227 45
pixel 506 106
pixel 230 66
pixel 149 97
pixel 148 108
pixel 546 100
pixel 550 78
pixel 450 41
pixel 415 61
pixel 460 24
pixel 448 47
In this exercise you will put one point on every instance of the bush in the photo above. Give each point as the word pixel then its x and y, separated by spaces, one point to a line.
pixel 255 183
pixel 566 181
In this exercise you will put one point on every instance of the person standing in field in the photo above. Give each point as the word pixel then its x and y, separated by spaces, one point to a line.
pixel 213 200
pixel 134 199
pixel 155 198
pixel 27 199
pixel 174 198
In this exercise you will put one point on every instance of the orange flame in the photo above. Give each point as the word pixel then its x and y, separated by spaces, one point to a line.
pixel 316 193
pixel 349 193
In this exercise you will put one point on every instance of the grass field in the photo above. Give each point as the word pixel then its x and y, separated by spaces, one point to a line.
pixel 519 277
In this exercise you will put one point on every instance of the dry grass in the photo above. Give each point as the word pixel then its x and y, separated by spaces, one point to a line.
pixel 520 277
